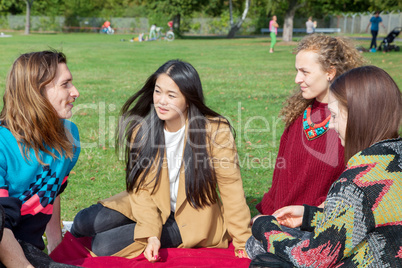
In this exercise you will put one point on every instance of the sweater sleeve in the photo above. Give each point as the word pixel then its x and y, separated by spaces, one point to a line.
pixel 74 138
pixel 266 205
pixel 312 216
pixel 2 218
pixel 346 213
pixel 236 213
pixel 11 205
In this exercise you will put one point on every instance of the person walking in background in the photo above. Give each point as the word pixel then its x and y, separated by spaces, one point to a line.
pixel 38 149
pixel 152 32
pixel 374 21
pixel 360 225
pixel 310 25
pixel 273 28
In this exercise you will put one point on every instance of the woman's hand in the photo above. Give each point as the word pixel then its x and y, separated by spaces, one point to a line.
pixel 290 216
pixel 322 205
pixel 241 253
pixel 152 250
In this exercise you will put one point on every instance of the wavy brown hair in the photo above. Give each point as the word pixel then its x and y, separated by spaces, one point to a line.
pixel 27 113
pixel 333 52
pixel 374 105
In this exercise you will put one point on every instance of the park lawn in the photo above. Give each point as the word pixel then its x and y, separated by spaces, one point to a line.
pixel 241 81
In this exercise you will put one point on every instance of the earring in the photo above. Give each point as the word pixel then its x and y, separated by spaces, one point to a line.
pixel 329 79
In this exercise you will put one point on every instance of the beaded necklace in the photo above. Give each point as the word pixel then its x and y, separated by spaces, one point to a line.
pixel 312 130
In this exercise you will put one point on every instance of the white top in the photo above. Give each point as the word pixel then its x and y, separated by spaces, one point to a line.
pixel 174 142
pixel 310 26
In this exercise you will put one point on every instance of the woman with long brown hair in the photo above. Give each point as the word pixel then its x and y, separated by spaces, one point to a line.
pixel 38 149
pixel 360 225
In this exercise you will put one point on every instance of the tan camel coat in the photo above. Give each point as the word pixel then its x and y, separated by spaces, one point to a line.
pixel 212 226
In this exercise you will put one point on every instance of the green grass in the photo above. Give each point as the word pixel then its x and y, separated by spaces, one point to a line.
pixel 241 81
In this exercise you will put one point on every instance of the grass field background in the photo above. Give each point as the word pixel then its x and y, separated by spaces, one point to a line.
pixel 241 81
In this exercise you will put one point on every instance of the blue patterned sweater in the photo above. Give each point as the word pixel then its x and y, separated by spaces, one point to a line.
pixel 361 224
pixel 28 189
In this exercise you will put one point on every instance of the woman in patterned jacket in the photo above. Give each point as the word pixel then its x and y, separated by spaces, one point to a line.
pixel 361 222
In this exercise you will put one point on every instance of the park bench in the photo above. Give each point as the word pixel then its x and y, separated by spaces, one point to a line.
pixel 303 30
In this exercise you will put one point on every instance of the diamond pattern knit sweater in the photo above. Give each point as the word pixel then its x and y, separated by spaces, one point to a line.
pixel 28 189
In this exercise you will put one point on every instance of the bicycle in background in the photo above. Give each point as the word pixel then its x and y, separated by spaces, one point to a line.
pixel 169 35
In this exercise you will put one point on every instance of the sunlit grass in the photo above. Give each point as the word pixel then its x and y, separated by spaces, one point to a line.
pixel 241 81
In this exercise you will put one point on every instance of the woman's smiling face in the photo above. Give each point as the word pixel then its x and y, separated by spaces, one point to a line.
pixel 313 81
pixel 61 92
pixel 170 103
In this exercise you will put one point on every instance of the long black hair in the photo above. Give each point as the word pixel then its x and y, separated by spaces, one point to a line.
pixel 148 142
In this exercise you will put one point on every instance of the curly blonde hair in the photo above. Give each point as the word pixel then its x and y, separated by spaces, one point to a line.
pixel 333 52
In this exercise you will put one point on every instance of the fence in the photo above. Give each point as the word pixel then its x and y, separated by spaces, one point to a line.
pixel 196 26
pixel 348 23
pixel 357 22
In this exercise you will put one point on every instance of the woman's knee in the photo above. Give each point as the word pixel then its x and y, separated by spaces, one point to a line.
pixel 112 241
pixel 83 224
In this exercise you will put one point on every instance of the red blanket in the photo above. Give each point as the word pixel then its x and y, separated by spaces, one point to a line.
pixel 74 251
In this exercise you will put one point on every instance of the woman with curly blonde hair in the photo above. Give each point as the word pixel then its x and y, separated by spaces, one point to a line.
pixel 310 154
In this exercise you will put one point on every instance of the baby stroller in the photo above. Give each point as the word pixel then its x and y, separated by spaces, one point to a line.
pixel 386 43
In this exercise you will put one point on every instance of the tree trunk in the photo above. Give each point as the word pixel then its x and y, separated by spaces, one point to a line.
pixel 176 24
pixel 288 28
pixel 28 17
pixel 288 22
pixel 235 27
pixel 231 13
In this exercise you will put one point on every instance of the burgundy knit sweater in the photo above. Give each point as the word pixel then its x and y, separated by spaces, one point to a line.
pixel 305 169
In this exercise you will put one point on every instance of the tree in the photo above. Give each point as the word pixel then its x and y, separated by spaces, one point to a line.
pixel 234 27
pixel 174 9
pixel 10 7
pixel 288 22
pixel 28 16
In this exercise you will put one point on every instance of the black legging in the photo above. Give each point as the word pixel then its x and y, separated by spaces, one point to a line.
pixel 374 39
pixel 111 231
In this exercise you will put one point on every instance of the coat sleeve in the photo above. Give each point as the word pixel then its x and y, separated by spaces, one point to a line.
pixel 345 215
pixel 147 215
pixel 143 207
pixel 236 213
